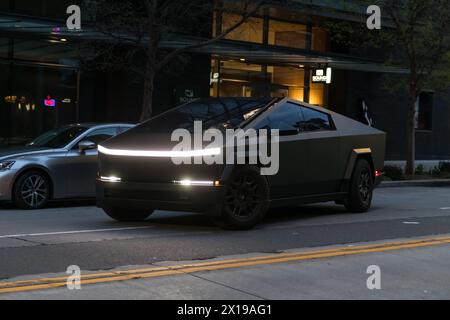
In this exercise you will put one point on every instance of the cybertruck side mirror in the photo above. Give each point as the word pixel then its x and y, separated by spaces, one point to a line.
pixel 284 133
pixel 86 145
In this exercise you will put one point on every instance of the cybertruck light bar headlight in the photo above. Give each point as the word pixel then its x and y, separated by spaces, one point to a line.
pixel 188 183
pixel 110 179
pixel 159 154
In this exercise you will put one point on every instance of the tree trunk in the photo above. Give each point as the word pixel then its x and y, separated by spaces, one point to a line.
pixel 411 135
pixel 150 66
pixel 147 101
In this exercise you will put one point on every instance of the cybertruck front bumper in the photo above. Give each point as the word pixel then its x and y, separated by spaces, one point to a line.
pixel 159 196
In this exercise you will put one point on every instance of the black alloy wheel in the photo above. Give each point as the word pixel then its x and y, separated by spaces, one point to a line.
pixel 243 196
pixel 361 188
pixel 365 184
pixel 246 199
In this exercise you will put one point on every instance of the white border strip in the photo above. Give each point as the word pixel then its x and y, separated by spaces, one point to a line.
pixel 70 232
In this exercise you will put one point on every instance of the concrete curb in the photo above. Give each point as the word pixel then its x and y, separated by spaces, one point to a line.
pixel 416 183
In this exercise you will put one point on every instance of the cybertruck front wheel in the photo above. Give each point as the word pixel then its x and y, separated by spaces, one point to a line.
pixel 361 188
pixel 127 215
pixel 246 200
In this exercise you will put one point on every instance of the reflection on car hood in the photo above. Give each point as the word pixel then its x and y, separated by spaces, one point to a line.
pixel 19 152
pixel 140 141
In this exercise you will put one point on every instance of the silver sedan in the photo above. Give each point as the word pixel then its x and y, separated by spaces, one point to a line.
pixel 61 163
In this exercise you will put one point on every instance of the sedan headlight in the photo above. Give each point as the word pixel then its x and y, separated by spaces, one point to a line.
pixel 6 165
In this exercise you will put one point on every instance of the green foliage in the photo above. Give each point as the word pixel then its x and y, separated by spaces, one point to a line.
pixel 444 167
pixel 414 35
pixel 394 173
pixel 420 170
pixel 442 170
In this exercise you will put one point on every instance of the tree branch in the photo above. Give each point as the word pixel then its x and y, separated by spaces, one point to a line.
pixel 245 16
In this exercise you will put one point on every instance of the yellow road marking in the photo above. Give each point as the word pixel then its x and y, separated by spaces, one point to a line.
pixel 154 272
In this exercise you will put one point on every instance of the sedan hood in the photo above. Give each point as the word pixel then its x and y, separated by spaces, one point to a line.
pixel 20 152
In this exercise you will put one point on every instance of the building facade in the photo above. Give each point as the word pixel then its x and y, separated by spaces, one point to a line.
pixel 278 52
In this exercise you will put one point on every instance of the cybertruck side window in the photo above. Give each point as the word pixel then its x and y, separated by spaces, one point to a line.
pixel 315 120
pixel 287 119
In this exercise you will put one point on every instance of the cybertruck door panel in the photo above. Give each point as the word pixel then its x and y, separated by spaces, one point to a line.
pixel 290 180
pixel 323 174
pixel 293 157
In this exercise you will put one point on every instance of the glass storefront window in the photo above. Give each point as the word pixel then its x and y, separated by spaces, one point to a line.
pixel 35 99
pixel 249 31
pixel 291 81
pixel 4 46
pixel 4 5
pixel 43 8
pixel 5 98
pixel 214 78
pixel 44 51
pixel 287 34
pixel 316 94
pixel 239 79
pixel 319 40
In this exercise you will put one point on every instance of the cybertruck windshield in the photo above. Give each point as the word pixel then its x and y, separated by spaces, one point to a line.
pixel 221 114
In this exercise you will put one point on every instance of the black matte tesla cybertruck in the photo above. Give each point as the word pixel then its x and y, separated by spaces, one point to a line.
pixel 323 156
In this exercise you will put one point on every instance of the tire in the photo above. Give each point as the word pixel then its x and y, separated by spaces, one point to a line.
pixel 361 188
pixel 127 215
pixel 245 201
pixel 31 191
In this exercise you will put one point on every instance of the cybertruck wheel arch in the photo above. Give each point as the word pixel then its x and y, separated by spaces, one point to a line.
pixel 230 168
pixel 355 155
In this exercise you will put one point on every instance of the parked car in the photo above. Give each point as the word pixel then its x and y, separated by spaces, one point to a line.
pixel 61 163
pixel 323 156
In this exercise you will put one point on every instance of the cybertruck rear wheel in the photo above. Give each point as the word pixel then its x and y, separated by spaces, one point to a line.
pixel 31 191
pixel 127 215
pixel 361 188
pixel 246 200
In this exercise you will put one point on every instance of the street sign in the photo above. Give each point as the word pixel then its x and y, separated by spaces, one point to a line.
pixel 322 76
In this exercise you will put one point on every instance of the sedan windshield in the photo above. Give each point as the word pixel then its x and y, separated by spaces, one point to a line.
pixel 58 138
pixel 225 113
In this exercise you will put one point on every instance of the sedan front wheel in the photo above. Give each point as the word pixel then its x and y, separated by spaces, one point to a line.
pixel 31 191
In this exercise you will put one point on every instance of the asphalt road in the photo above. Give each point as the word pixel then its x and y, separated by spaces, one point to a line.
pixel 50 240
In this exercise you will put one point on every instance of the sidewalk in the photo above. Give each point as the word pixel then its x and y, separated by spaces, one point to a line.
pixel 416 183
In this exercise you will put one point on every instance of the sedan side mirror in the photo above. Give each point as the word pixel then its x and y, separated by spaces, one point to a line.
pixel 86 145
